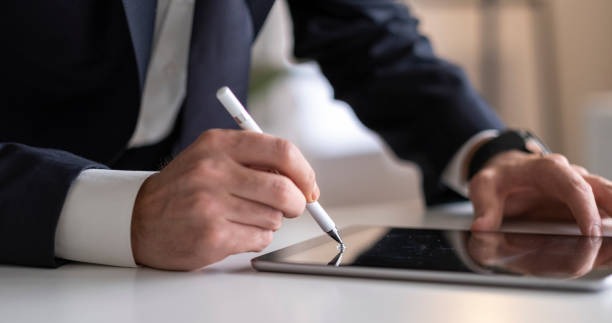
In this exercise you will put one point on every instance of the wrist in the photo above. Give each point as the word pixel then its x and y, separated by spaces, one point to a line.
pixel 508 141
pixel 465 170
pixel 141 205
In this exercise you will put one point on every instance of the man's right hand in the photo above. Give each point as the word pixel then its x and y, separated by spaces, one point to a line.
pixel 216 199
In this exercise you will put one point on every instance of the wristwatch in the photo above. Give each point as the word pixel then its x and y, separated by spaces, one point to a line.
pixel 514 139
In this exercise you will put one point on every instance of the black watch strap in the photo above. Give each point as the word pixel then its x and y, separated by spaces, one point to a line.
pixel 507 140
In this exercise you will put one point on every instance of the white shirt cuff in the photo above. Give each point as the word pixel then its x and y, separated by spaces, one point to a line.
pixel 453 175
pixel 95 223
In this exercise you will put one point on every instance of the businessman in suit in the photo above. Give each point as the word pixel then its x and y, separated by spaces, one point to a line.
pixel 98 94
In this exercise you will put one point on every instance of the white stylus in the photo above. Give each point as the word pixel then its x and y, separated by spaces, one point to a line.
pixel 246 122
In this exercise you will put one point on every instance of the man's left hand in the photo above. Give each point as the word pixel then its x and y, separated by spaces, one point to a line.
pixel 514 184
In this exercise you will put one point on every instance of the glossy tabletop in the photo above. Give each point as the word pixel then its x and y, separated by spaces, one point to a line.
pixel 231 291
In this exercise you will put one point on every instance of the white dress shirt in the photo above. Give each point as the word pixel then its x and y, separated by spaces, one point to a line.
pixel 94 225
pixel 95 222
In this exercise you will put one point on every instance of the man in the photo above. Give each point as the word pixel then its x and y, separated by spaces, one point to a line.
pixel 97 91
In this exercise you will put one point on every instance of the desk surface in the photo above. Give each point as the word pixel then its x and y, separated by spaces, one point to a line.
pixel 231 291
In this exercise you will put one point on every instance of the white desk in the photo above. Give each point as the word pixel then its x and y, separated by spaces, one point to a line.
pixel 231 291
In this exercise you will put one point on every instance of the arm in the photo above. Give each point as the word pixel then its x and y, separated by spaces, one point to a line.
pixel 378 62
pixel 34 183
pixel 206 204
pixel 425 109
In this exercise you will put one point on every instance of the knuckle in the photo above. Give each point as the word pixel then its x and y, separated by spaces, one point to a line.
pixel 276 221
pixel 581 187
pixel 286 151
pixel 485 179
pixel 281 188
pixel 581 170
pixel 555 160
pixel 287 198
pixel 605 183
pixel 311 177
pixel 209 167
pixel 212 138
pixel 264 240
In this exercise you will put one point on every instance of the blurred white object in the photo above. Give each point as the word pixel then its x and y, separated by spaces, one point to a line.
pixel 598 135
pixel 353 166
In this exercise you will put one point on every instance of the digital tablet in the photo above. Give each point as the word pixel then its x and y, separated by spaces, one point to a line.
pixel 489 258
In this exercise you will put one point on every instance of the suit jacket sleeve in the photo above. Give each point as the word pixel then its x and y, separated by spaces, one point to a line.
pixel 33 185
pixel 377 61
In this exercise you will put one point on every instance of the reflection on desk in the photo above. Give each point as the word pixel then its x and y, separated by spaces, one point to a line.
pixel 231 291
pixel 494 258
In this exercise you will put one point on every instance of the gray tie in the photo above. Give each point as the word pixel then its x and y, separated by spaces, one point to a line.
pixel 220 55
pixel 141 20
pixel 166 79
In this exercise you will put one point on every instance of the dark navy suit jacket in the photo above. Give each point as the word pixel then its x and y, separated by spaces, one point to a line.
pixel 72 76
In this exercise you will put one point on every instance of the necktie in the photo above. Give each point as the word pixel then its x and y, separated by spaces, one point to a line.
pixel 141 19
pixel 219 55
pixel 165 86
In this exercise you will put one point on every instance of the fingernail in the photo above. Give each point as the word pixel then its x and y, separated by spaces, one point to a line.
pixel 315 193
pixel 595 230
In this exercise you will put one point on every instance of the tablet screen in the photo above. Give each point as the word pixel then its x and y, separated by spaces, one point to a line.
pixel 450 255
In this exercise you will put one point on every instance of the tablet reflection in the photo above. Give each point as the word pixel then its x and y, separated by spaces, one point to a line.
pixel 337 260
pixel 539 255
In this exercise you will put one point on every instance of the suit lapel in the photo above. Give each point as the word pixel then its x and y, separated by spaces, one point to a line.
pixel 259 11
pixel 219 55
pixel 140 16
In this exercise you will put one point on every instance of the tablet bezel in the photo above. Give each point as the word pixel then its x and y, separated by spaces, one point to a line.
pixel 594 281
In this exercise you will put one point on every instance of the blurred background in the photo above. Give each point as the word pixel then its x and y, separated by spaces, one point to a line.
pixel 544 65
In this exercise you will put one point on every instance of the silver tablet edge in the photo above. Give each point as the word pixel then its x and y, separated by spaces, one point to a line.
pixel 435 277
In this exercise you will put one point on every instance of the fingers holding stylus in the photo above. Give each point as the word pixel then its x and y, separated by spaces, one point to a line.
pixel 265 152
pixel 269 189
pixel 246 212
pixel 289 161
pixel 206 205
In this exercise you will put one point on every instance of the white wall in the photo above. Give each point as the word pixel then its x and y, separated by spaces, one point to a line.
pixel 555 55
pixel 584 59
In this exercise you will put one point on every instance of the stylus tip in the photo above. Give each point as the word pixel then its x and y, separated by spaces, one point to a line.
pixel 334 234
